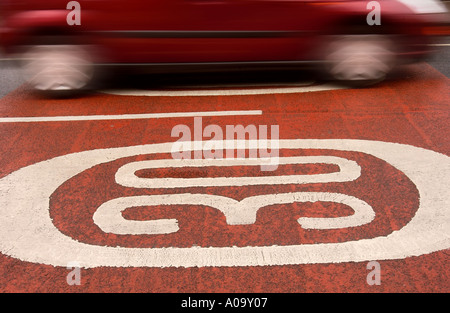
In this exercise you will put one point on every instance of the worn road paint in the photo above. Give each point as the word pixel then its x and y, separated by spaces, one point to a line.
pixel 27 232
pixel 36 119
pixel 222 92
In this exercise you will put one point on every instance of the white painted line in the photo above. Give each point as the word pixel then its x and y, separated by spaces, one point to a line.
pixel 240 85
pixel 222 92
pixel 440 45
pixel 36 119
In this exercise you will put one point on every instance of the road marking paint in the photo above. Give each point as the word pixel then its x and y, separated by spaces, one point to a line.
pixel 125 176
pixel 240 85
pixel 109 215
pixel 27 232
pixel 109 218
pixel 222 92
pixel 36 119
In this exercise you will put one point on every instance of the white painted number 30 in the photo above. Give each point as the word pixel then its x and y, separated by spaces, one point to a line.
pixel 27 232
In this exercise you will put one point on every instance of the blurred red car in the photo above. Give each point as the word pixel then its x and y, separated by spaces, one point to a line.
pixel 334 35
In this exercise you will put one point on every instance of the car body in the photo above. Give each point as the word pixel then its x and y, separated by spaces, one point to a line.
pixel 58 37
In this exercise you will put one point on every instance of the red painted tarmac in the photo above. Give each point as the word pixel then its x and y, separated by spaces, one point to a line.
pixel 412 111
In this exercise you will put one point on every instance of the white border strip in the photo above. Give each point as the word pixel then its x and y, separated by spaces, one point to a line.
pixel 124 116
pixel 222 92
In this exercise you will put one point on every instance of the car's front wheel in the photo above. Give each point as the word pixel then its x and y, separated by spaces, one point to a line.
pixel 58 69
pixel 360 59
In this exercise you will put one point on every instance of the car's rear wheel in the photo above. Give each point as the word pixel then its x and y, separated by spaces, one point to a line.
pixel 360 59
pixel 58 69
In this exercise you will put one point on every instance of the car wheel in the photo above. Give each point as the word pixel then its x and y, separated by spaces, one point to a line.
pixel 58 69
pixel 360 59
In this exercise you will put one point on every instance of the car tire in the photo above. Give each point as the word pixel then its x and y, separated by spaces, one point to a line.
pixel 359 60
pixel 58 69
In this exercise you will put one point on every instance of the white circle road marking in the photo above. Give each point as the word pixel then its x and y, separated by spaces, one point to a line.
pixel 27 232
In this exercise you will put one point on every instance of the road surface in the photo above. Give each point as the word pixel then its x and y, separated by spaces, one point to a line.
pixel 93 198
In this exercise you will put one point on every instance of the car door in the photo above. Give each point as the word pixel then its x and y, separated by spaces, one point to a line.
pixel 245 30
pixel 194 31
pixel 138 31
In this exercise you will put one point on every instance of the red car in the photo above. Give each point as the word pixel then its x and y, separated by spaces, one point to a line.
pixel 62 44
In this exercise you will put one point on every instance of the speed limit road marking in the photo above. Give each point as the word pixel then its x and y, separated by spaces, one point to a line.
pixel 27 232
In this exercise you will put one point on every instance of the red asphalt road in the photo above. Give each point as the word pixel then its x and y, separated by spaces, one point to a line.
pixel 413 111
